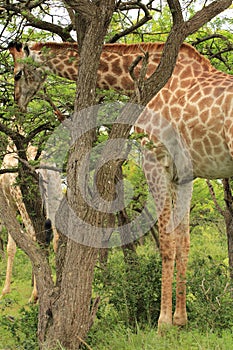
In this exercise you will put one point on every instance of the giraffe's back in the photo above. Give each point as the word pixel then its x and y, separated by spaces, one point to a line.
pixel 201 112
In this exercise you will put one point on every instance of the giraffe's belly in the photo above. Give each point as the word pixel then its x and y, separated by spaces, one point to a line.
pixel 215 163
pixel 208 146
pixel 214 170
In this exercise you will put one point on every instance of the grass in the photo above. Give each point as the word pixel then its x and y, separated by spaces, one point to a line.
pixel 11 304
pixel 106 334
pixel 174 340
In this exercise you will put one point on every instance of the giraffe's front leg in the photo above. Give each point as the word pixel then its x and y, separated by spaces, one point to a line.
pixel 167 250
pixel 182 251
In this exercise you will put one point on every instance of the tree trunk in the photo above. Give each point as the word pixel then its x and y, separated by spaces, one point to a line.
pixel 228 216
pixel 71 314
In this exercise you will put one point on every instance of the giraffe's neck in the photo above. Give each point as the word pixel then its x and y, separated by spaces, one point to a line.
pixel 114 67
pixel 113 73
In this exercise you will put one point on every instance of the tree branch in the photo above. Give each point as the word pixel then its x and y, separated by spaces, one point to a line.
pixel 206 14
pixel 33 133
pixel 9 170
pixel 213 196
pixel 35 22
pixel 209 37
pixel 130 29
pixel 176 11
pixel 36 255
pixel 86 7
pixel 15 136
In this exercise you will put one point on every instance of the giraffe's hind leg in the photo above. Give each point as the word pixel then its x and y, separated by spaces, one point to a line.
pixel 182 251
pixel 160 186
pixel 11 250
pixel 34 296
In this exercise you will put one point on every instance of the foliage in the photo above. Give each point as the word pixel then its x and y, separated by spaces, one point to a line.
pixel 204 215
pixel 23 329
pixel 132 289
pixel 209 289
pixel 210 295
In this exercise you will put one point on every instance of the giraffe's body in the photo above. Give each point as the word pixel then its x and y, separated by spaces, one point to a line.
pixel 192 115
pixel 14 198
pixel 49 181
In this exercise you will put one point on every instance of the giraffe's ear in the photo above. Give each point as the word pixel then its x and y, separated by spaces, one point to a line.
pixel 15 45
pixel 26 50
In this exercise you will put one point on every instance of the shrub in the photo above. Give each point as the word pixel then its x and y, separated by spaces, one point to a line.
pixel 209 297
pixel 132 290
pixel 23 328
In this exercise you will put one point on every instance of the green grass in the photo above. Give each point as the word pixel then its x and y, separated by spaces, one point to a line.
pixel 11 304
pixel 109 331
pixel 175 340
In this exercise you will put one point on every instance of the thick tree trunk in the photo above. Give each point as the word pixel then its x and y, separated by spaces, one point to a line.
pixel 71 314
pixel 228 216
pixel 229 229
pixel 29 186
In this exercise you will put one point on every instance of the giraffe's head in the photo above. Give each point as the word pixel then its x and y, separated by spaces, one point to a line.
pixel 28 77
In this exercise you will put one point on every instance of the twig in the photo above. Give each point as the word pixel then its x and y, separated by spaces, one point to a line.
pixel 61 117
pixel 213 196
pixel 84 343
pixel 94 310
pixel 139 82
pixel 204 290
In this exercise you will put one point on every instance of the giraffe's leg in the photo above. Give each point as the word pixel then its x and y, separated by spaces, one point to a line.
pixel 160 185
pixel 34 295
pixel 55 240
pixel 167 250
pixel 182 251
pixel 11 250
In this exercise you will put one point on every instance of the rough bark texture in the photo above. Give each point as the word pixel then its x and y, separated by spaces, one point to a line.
pixel 29 186
pixel 41 267
pixel 228 216
pixel 71 314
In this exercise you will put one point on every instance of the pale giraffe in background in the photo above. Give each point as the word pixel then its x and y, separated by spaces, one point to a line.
pixel 14 198
pixel 50 186
pixel 192 116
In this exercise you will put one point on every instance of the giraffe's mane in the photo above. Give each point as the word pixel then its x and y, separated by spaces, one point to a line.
pixel 55 46
pixel 185 48
pixel 129 49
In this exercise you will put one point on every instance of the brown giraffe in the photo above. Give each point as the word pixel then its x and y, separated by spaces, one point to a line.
pixel 189 122
pixel 50 184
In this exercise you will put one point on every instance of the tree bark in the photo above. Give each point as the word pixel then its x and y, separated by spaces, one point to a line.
pixel 227 213
pixel 71 314
pixel 228 216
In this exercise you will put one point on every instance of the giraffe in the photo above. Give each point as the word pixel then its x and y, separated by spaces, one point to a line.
pixel 14 198
pixel 193 113
pixel 50 182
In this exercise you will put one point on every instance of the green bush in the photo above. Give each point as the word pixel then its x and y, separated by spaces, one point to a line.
pixel 23 329
pixel 132 290
pixel 209 297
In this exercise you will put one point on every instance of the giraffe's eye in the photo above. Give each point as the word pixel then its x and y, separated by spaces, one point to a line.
pixel 18 75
